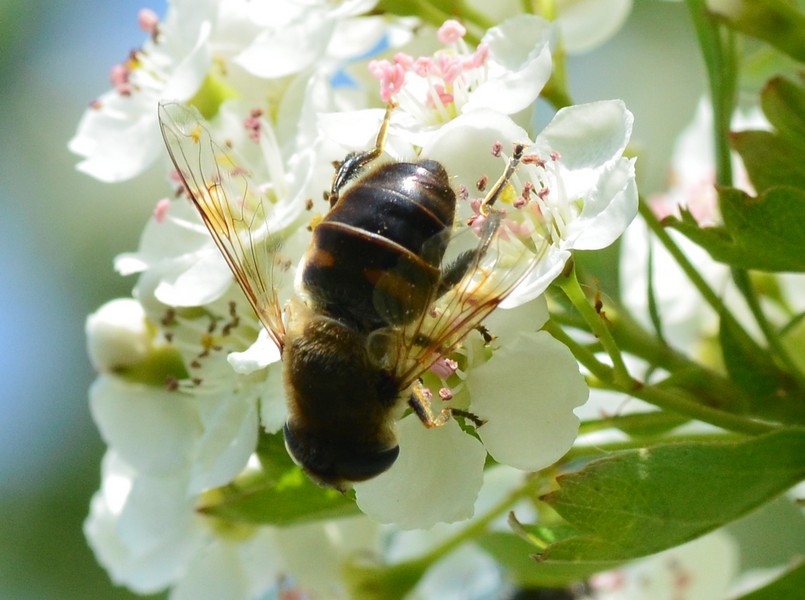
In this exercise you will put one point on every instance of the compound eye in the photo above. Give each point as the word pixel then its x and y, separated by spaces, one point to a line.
pixel 361 467
pixel 335 464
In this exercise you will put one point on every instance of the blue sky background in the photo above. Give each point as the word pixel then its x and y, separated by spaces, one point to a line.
pixel 60 230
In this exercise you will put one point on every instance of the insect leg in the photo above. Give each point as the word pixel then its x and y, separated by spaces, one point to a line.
pixel 421 406
pixel 501 183
pixel 453 273
pixel 356 161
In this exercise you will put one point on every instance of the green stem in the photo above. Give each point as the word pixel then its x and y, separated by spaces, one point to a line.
pixel 674 400
pixel 743 283
pixel 580 352
pixel 636 421
pixel 569 284
pixel 480 524
pixel 718 49
pixel 636 444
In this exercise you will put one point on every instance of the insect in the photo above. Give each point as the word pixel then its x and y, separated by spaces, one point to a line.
pixel 391 282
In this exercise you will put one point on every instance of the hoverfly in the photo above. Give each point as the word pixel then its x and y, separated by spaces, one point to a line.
pixel 390 283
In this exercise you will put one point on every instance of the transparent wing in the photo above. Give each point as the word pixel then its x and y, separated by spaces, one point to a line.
pixel 484 265
pixel 232 209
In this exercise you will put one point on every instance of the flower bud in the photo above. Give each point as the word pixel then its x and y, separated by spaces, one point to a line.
pixel 117 335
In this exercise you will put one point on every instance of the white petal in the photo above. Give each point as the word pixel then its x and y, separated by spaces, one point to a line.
pixel 213 573
pixel 119 140
pixel 290 49
pixel 586 24
pixel 139 564
pixel 527 392
pixel 539 279
pixel 435 479
pixel 195 280
pixel 530 316
pixel 259 355
pixel 588 135
pixel 331 542
pixel 152 429
pixel 608 209
pixel 480 576
pixel 273 409
pixel 464 145
pixel 519 65
pixel 229 439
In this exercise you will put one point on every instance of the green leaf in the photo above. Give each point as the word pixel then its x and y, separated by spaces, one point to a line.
pixel 789 585
pixel 772 393
pixel 517 557
pixel 765 233
pixel 770 160
pixel 640 502
pixel 292 500
pixel 771 226
pixel 783 103
pixel 278 494
pixel 777 22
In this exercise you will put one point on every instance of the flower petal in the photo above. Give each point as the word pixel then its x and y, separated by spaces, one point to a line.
pixel 152 429
pixel 588 135
pixel 464 145
pixel 229 439
pixel 586 24
pixel 519 67
pixel 608 209
pixel 530 422
pixel 131 560
pixel 435 479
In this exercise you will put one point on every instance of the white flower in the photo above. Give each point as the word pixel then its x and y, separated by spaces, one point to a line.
pixel 506 72
pixel 145 531
pixel 581 190
pixel 206 52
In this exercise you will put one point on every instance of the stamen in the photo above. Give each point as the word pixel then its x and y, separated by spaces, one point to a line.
pixel 451 31
pixel 161 210
pixel 148 21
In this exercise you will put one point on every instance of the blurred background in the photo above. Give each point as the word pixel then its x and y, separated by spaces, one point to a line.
pixel 60 230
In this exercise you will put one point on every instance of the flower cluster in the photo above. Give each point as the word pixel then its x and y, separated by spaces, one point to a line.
pixel 190 382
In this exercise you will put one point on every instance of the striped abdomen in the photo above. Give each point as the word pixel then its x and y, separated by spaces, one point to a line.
pixel 374 259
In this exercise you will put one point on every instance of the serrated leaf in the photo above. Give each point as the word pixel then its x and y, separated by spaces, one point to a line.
pixel 778 22
pixel 765 233
pixel 770 227
pixel 517 557
pixel 639 502
pixel 789 585
pixel 783 103
pixel 770 160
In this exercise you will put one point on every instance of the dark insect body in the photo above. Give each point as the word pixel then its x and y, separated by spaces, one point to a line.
pixel 376 304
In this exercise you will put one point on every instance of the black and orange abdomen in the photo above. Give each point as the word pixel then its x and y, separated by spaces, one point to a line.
pixel 375 258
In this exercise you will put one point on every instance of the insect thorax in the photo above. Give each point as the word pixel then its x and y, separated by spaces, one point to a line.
pixel 375 258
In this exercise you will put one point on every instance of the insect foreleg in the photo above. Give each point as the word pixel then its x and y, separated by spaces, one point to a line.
pixel 501 183
pixel 356 161
pixel 420 404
